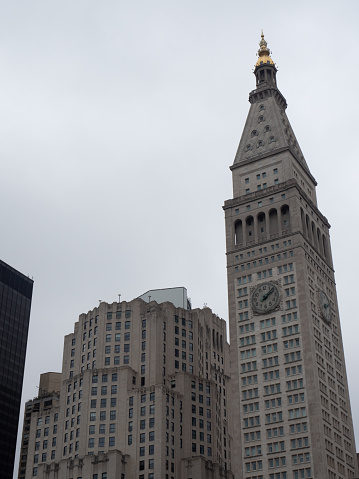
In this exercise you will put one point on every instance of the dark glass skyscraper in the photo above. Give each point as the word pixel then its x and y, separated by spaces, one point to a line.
pixel 15 304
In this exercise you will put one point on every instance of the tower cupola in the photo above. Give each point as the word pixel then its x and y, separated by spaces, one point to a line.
pixel 265 69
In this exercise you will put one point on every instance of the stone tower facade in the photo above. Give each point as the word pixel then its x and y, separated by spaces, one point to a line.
pixel 143 394
pixel 292 416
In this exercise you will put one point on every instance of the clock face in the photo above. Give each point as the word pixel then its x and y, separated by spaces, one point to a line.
pixel 325 308
pixel 265 298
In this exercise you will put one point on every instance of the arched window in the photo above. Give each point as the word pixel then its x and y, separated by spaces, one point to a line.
pixel 307 222
pixel 319 237
pixel 325 251
pixel 249 228
pixel 238 233
pixel 260 119
pixel 314 236
pixel 285 216
pixel 303 221
pixel 254 133
pixel 248 147
pixel 273 222
pixel 260 143
pixel 262 107
pixel 261 222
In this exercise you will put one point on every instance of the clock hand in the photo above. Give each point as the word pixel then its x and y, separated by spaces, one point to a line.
pixel 263 298
pixel 266 295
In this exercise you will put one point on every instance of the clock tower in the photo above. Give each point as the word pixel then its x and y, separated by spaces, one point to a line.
pixel 290 402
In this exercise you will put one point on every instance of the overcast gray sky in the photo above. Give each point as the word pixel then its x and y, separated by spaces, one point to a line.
pixel 118 122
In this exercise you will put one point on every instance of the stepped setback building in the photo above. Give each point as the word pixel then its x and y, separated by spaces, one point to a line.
pixel 144 394
pixel 291 413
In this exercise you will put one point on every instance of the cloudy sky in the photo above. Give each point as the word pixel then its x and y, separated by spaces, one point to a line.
pixel 119 121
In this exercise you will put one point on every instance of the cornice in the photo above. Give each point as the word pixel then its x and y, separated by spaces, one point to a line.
pixel 285 185
pixel 265 91
pixel 270 154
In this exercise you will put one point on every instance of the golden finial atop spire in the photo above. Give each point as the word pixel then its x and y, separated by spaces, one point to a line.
pixel 263 53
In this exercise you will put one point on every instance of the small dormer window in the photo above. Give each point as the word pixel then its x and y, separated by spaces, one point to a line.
pixel 260 143
pixel 261 107
pixel 271 139
pixel 248 147
pixel 254 133
pixel 267 128
pixel 260 119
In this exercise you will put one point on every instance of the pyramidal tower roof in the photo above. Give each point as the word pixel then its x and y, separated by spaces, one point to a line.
pixel 267 129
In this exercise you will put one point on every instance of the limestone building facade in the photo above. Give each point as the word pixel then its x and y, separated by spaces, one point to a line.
pixel 144 394
pixel 292 417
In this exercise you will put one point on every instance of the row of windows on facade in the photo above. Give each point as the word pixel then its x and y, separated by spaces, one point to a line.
pixel 275 417
pixel 94 476
pixel 118 325
pixel 270 375
pixel 202 436
pixel 268 322
pixel 264 186
pixel 102 415
pixel 269 335
pixel 101 442
pixel 151 424
pixel 248 278
pixel 116 361
pixel 47 419
pixel 277 447
pixel 267 272
pixel 262 250
pixel 322 271
pixel 274 432
pixel 95 330
pixel 104 390
pixel 272 389
pixel 297 473
pixel 261 175
pixel 290 304
pixel 150 409
pixel 269 362
pixel 183 321
pixel 274 402
pixel 201 398
pixel 201 449
pixel 109 315
pixel 184 355
pixel 267 349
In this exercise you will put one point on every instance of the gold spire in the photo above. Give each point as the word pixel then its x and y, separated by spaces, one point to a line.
pixel 263 53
